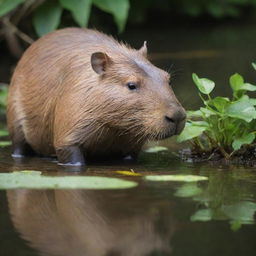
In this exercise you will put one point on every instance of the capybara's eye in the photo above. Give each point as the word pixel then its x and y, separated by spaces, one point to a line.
pixel 132 86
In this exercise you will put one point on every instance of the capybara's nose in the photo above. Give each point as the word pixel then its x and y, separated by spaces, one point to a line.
pixel 177 119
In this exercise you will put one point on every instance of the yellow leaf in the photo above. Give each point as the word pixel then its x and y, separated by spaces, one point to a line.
pixel 128 173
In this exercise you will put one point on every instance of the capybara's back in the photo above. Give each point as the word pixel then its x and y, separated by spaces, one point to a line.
pixel 78 93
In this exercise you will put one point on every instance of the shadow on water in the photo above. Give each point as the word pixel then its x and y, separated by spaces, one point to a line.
pixel 213 217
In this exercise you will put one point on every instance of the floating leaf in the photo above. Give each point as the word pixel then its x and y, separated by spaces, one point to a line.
pixel 204 85
pixel 128 173
pixel 5 143
pixel 47 17
pixel 32 180
pixel 4 133
pixel 8 5
pixel 202 215
pixel 80 10
pixel 178 177
pixel 246 139
pixel 30 172
pixel 190 132
pixel 156 149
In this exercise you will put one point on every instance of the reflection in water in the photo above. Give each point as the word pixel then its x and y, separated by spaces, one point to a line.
pixel 91 223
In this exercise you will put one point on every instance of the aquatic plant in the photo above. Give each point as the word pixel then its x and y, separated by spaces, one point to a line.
pixel 3 97
pixel 223 124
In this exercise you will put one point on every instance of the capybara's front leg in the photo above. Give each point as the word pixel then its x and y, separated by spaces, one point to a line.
pixel 70 155
pixel 22 149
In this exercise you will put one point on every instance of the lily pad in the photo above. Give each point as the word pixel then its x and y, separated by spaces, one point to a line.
pixel 4 133
pixel 5 143
pixel 156 149
pixel 34 180
pixel 178 177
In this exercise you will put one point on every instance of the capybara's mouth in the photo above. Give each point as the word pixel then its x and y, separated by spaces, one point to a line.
pixel 164 135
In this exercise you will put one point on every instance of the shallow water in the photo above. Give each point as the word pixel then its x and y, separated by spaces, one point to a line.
pixel 214 217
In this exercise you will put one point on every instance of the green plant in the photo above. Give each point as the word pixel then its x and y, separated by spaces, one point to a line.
pixel 3 97
pixel 223 124
pixel 47 13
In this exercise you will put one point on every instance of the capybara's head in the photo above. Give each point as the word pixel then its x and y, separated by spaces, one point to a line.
pixel 135 96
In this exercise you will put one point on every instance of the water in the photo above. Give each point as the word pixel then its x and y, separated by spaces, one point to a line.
pixel 214 217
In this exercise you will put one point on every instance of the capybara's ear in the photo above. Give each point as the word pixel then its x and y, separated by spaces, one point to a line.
pixel 144 50
pixel 100 62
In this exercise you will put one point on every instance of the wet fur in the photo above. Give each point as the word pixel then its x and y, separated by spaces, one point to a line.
pixel 56 100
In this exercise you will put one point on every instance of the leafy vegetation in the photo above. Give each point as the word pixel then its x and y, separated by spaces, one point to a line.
pixel 46 14
pixel 3 97
pixel 223 124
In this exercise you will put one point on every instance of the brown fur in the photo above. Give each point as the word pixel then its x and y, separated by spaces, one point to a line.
pixel 57 100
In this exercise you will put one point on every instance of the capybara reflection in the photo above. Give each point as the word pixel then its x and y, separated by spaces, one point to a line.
pixel 91 223
pixel 79 94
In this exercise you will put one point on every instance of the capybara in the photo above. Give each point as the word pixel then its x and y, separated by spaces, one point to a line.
pixel 79 94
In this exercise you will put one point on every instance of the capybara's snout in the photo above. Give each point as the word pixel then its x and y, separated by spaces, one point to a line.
pixel 175 119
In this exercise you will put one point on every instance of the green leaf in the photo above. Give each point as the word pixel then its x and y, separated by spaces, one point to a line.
pixel 204 85
pixel 80 10
pixel 5 143
pixel 8 5
pixel 47 17
pixel 254 65
pixel 178 177
pixel 199 123
pixel 194 113
pixel 156 149
pixel 248 87
pixel 220 103
pixel 246 139
pixel 241 109
pixel 207 112
pixel 202 215
pixel 33 180
pixel 190 131
pixel 4 133
pixel 3 95
pixel 236 81
pixel 253 101
pixel 188 190
pixel 118 8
